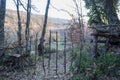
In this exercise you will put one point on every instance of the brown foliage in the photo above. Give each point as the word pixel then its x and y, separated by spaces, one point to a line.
pixel 74 33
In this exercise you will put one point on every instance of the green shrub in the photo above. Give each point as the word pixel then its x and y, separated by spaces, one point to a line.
pixel 31 59
pixel 109 65
pixel 105 67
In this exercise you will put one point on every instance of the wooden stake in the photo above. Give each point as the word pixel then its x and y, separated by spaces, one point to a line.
pixel 56 52
pixel 49 53
pixel 64 52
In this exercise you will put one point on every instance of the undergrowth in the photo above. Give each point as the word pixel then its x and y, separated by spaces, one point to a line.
pixel 105 67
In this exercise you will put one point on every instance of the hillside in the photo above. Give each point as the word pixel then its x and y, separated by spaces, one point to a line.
pixel 35 25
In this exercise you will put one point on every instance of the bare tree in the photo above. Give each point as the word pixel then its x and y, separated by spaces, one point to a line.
pixel 2 20
pixel 17 3
pixel 41 44
pixel 27 30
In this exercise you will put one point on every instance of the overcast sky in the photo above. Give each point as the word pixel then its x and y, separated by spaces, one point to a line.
pixel 59 4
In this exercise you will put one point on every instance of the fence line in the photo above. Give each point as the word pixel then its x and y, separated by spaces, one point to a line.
pixel 58 56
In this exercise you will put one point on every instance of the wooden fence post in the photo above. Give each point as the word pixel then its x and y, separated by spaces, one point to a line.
pixel 36 48
pixel 43 63
pixel 49 52
pixel 56 51
pixel 72 53
pixel 64 52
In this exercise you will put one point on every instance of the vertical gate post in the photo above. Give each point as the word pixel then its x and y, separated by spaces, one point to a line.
pixel 36 43
pixel 72 53
pixel 49 52
pixel 64 52
pixel 56 52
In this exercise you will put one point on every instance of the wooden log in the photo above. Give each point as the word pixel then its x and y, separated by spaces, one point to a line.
pixel 107 35
pixel 112 42
pixel 13 55
pixel 104 30
pixel 107 26
pixel 104 41
pixel 110 25
pixel 2 48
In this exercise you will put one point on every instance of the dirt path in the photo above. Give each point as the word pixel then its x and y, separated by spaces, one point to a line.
pixel 52 75
pixel 37 73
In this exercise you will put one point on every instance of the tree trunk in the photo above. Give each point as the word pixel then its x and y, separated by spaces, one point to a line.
pixel 110 12
pixel 27 30
pixel 2 20
pixel 19 28
pixel 41 44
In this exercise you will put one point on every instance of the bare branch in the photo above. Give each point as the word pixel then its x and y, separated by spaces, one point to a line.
pixel 70 14
pixel 54 7
pixel 15 2
pixel 21 3
pixel 78 11
pixel 35 8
